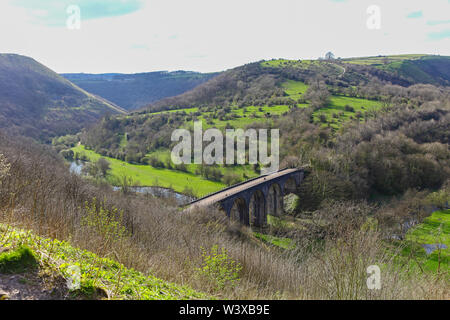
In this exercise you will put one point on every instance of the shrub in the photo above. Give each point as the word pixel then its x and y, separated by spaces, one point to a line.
pixel 155 162
pixel 231 178
pixel 218 269
pixel 107 224
pixel 349 108
pixel 188 191
pixel 439 198
pixel 67 154
pixel 181 167
pixel 18 261
pixel 103 166
pixel 323 118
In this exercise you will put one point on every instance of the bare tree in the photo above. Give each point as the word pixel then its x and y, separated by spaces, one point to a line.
pixel 4 166
pixel 103 166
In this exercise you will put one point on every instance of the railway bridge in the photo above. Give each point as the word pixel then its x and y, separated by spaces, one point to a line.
pixel 249 202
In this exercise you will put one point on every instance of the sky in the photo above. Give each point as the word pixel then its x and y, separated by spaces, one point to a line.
pixel 130 36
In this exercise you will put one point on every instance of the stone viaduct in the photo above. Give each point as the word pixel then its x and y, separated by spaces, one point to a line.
pixel 249 202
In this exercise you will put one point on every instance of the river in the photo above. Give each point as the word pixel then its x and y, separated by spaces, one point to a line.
pixel 159 192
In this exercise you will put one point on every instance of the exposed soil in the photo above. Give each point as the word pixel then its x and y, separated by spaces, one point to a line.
pixel 32 286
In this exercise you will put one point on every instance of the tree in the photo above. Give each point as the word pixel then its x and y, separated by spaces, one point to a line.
pixel 68 154
pixel 91 169
pixel 103 166
pixel 329 55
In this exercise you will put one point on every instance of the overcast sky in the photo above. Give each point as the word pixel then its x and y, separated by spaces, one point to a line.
pixel 208 35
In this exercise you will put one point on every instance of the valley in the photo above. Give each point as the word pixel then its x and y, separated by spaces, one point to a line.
pixel 339 110
pixel 370 133
pixel 132 91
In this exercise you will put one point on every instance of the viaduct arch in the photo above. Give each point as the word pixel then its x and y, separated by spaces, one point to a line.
pixel 251 201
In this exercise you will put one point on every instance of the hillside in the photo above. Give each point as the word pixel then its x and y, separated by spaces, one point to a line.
pixel 412 68
pixel 37 268
pixel 322 97
pixel 129 246
pixel 37 102
pixel 133 91
pixel 259 83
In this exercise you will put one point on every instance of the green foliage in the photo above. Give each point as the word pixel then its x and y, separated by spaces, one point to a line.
pixel 67 154
pixel 97 169
pixel 439 198
pixel 108 224
pixel 415 68
pixel 291 202
pixel 218 269
pixel 284 243
pixel 145 175
pixel 65 142
pixel 231 178
pixel 432 231
pixel 276 222
pixel 155 162
pixel 19 260
pixel 97 274
pixel 341 109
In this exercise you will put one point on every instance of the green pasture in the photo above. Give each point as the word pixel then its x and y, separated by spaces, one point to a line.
pixel 146 175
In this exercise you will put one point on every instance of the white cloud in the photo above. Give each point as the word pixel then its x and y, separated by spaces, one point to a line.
pixel 210 35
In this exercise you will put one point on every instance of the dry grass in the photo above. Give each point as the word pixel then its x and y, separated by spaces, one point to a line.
pixel 328 263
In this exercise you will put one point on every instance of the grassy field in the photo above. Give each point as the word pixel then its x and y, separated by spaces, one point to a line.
pixel 187 110
pixel 277 63
pixel 317 65
pixel 27 252
pixel 434 230
pixel 240 170
pixel 381 60
pixel 243 117
pixel 145 175
pixel 294 89
pixel 336 113
pixel 284 243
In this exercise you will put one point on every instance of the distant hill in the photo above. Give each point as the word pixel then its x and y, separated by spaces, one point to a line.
pixel 258 83
pixel 315 104
pixel 132 91
pixel 333 92
pixel 413 68
pixel 39 103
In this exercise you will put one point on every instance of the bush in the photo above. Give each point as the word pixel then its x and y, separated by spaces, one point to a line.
pixel 349 108
pixel 181 167
pixel 107 224
pixel 67 154
pixel 218 269
pixel 18 261
pixel 323 118
pixel 231 179
pixel 439 198
pixel 103 166
pixel 188 191
pixel 155 162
